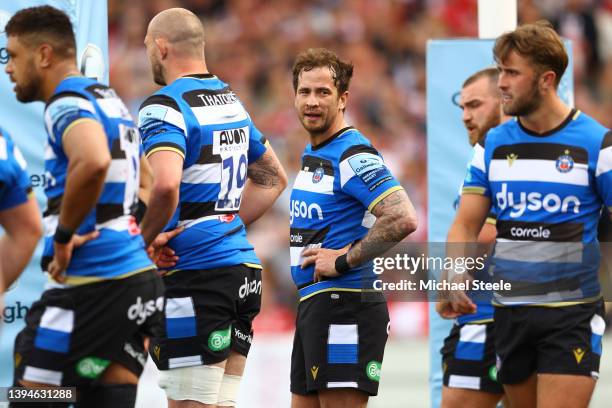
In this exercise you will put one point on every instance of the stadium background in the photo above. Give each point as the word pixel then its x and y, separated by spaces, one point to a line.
pixel 251 45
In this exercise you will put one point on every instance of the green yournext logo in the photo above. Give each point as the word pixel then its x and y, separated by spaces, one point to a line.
pixel 373 370
pixel 493 373
pixel 220 339
pixel 91 367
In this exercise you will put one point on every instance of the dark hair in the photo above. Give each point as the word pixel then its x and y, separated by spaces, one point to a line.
pixel 539 43
pixel 321 57
pixel 491 73
pixel 44 24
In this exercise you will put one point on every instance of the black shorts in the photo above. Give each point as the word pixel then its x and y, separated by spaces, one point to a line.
pixel 73 334
pixel 339 343
pixel 207 314
pixel 468 358
pixel 551 340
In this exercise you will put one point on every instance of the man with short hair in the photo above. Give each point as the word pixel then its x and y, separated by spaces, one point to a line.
pixel 104 295
pixel 19 215
pixel 215 173
pixel 547 176
pixel 468 355
pixel 346 208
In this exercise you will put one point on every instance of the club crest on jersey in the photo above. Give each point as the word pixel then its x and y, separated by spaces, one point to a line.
pixel 565 163
pixel 318 175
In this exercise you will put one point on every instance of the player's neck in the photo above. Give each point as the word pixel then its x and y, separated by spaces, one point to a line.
pixel 55 76
pixel 551 113
pixel 318 138
pixel 183 68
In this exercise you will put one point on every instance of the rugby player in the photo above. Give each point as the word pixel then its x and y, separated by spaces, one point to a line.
pixel 346 208
pixel 87 329
pixel 19 215
pixel 468 355
pixel 207 157
pixel 547 175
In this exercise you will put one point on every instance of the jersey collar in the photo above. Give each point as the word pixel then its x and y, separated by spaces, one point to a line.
pixel 572 115
pixel 332 137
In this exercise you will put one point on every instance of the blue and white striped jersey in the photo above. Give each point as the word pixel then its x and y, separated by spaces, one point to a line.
pixel 200 118
pixel 341 181
pixel 548 191
pixel 14 180
pixel 119 249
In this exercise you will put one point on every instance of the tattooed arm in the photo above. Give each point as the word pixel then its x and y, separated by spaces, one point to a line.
pixel 395 219
pixel 266 181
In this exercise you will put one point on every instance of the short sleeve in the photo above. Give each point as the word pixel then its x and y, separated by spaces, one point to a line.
pixel 476 180
pixel 64 111
pixel 162 126
pixel 14 180
pixel 364 175
pixel 257 144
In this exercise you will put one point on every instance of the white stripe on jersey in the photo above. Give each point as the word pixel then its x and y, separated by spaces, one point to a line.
pixel 304 181
pixel 346 172
pixel 161 112
pixel 550 297
pixel 295 253
pixel 116 224
pixel 202 174
pixel 50 224
pixel 537 170
pixel 604 161
pixel 117 171
pixel 221 114
pixel 478 159
pixel 114 108
pixel 49 153
pixel 538 251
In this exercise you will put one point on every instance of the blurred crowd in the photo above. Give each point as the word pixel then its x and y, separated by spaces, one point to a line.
pixel 251 44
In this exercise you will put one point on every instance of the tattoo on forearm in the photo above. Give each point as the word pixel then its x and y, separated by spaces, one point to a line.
pixel 264 172
pixel 387 231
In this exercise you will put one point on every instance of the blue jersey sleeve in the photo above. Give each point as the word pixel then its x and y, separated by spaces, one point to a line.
pixel 603 172
pixel 14 180
pixel 64 111
pixel 257 144
pixel 364 176
pixel 162 126
pixel 477 181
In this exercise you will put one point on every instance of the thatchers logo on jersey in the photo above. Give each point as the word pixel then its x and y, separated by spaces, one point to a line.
pixel 534 201
pixel 299 209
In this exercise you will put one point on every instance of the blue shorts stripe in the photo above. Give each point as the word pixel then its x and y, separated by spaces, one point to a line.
pixel 181 327
pixel 52 340
pixel 342 353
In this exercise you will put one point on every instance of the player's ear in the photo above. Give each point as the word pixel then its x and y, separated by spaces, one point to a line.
pixel 342 100
pixel 547 81
pixel 162 46
pixel 44 55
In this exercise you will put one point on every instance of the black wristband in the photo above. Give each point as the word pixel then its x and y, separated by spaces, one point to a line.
pixel 342 265
pixel 62 235
pixel 140 211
